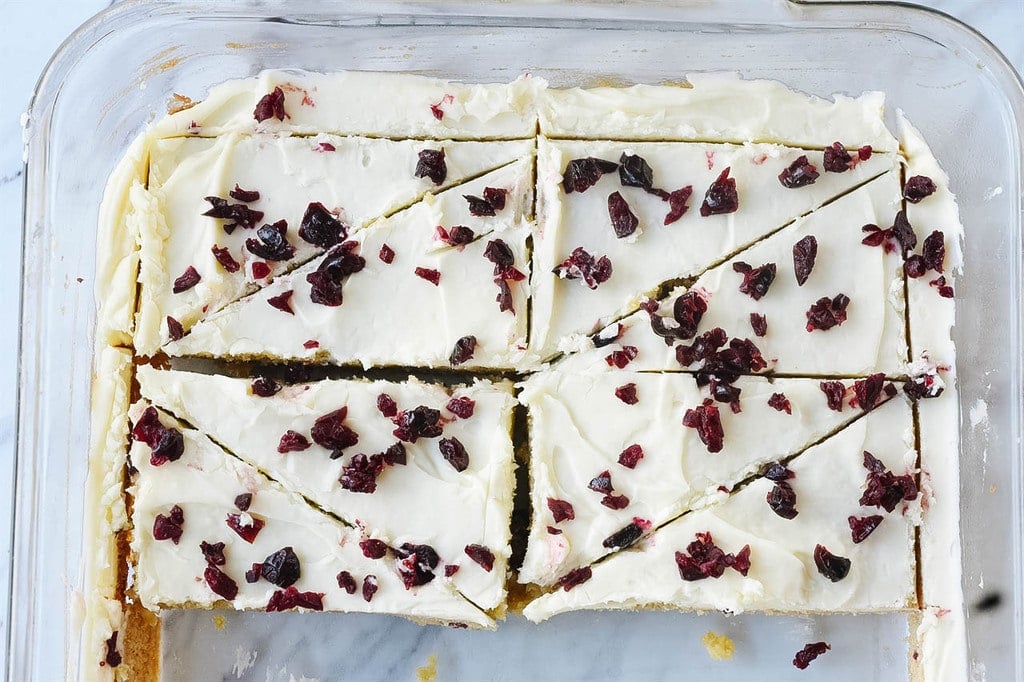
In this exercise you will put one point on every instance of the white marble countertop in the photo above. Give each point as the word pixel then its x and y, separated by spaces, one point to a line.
pixel 32 31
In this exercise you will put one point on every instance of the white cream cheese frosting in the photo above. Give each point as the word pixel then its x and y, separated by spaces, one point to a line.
pixel 870 340
pixel 426 501
pixel 579 428
pixel 657 252
pixel 828 482
pixel 204 484
pixel 391 315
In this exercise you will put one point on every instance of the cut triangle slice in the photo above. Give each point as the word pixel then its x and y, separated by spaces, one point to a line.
pixel 450 486
pixel 210 530
pixel 642 250
pixel 410 301
pixel 335 183
pixel 829 483
pixel 611 456
pixel 860 337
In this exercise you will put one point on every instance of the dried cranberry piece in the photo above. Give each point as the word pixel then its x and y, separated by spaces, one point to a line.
pixel 504 297
pixel 876 235
pixel 780 402
pixel 329 431
pixel 677 203
pixel 347 582
pixel 721 196
pixel 621 358
pixel 627 394
pixel 810 652
pixel 561 510
pixel 112 657
pixel 360 474
pixel 282 302
pixel 759 323
pixel 246 195
pixel 463 350
pixel 454 453
pixel 243 501
pixel 624 221
pixel 481 555
pixel 495 196
pixel 429 274
pixel 264 387
pixel 499 253
pixel 462 407
pixel 706 420
pixel 271 243
pixel 320 228
pixel 782 500
pixel 615 501
pixel 213 553
pixel 260 270
pixel 281 568
pixel 420 422
pixel 246 531
pixel 459 235
pixel 724 392
pixel 386 254
pixel 608 335
pixel 827 313
pixel 933 251
pixel 885 489
pixel 756 281
pixel 431 165
pixel 395 455
pixel 174 329
pixel 864 153
pixel 291 598
pixel 915 266
pixel 945 290
pixel 634 171
pixel 903 232
pixel 582 174
pixel 862 527
pixel 478 207
pixel 554 531
pixel 777 472
pixel 450 570
pixel 337 265
pixel 575 577
pixel 253 574
pixel 167 444
pixel 169 527
pixel 687 311
pixel 869 391
pixel 602 483
pixel 833 567
pixel 624 537
pixel 631 456
pixel 373 549
pixel 704 559
pixel 387 405
pixel 270 106
pixel 369 587
pixel 239 215
pixel 417 564
pixel 923 386
pixel 836 158
pixel 187 280
pixel 804 253
pixel 834 392
pixel 704 347
pixel 918 187
pixel 292 441
pixel 221 584
pixel 582 265
pixel 224 257
pixel 800 173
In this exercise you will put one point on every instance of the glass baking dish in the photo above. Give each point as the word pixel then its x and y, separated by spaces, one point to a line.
pixel 116 73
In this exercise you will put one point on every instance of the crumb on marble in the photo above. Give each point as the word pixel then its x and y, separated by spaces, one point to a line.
pixel 218 622
pixel 428 672
pixel 719 647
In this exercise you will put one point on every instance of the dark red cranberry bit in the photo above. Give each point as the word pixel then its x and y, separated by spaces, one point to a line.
pixel 264 387
pixel 706 420
pixel 903 232
pixel 224 257
pixel 677 200
pixel 805 252
pixel 329 431
pixel 504 297
pixel 862 527
pixel 687 311
pixel 481 555
pixel 260 270
pixel 112 656
pixel 499 253
pixel 270 105
pixel 387 405
pixel 416 565
pixel 369 587
pixel 864 153
pixel 810 652
pixel 575 577
pixel 827 312
pixel 724 392
pixel 282 302
pixel 621 358
pixel 922 387
pixel 463 351
pixel 945 291
pixel 780 402
pixel 243 501
pixel 554 531
pixel 454 452
pixel 582 265
pixel 759 323
pixel 253 574
pixel 450 570
pixel 561 510
pixel 608 335
pixel 373 549
pixel 246 195
pixel 187 280
pixel 281 568
pixel 174 329
pixel 634 171
pixel 624 537
pixel 721 196
pixel 327 281
pixel 624 221
pixel 386 254
pixel 360 474
pixel 885 489
pixel 347 582
pixel 836 159
pixel 496 197
pixel 420 422
pixel 800 173
pixel 239 215
pixel 782 500
pixel 582 174
pixel 876 236
pixel 918 187
pixel 395 455
pixel 615 501
pixel 756 281
pixel 833 567
pixel 834 392
pixel 703 348
pixel 431 165
pixel 477 206
pixel 627 394
pixel 631 456
pixel 704 559
pixel 933 251
pixel 169 448
pixel 270 243
pixel 247 531
pixel 462 407
pixel 458 236
pixel 169 527
pixel 320 228
pixel 213 553
pixel 292 441
pixel 429 274
pixel 221 584
pixel 777 472
pixel 291 598
pixel 868 391
pixel 915 266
